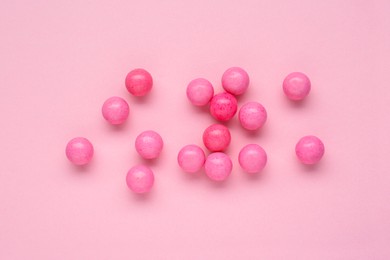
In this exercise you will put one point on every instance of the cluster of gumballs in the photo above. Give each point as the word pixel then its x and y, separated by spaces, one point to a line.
pixel 216 138
pixel 252 116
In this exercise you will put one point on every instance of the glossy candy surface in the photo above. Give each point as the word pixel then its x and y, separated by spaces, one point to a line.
pixel 310 149
pixel 115 110
pixel 218 166
pixel 191 158
pixel 200 91
pixel 223 106
pixel 140 179
pixel 79 151
pixel 139 82
pixel 235 80
pixel 149 144
pixel 296 86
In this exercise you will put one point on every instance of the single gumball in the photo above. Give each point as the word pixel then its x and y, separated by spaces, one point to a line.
pixel 310 149
pixel 79 151
pixel 139 82
pixel 223 106
pixel 191 158
pixel 218 166
pixel 140 179
pixel 216 138
pixel 235 80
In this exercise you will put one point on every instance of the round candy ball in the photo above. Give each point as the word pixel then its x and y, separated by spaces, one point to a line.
pixel 139 82
pixel 216 137
pixel 191 158
pixel 296 86
pixel 252 158
pixel 223 106
pixel 235 80
pixel 149 144
pixel 140 179
pixel 79 151
pixel 309 149
pixel 218 166
pixel 115 110
pixel 252 116
pixel 200 91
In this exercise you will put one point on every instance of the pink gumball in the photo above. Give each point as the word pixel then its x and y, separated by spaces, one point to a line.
pixel 296 86
pixel 218 166
pixel 252 158
pixel 200 91
pixel 139 82
pixel 309 149
pixel 140 179
pixel 191 158
pixel 115 110
pixel 252 116
pixel 216 138
pixel 235 80
pixel 149 144
pixel 223 106
pixel 79 151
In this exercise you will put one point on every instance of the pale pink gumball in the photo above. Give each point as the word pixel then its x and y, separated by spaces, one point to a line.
pixel 223 106
pixel 252 158
pixel 149 144
pixel 235 80
pixel 140 179
pixel 191 158
pixel 309 149
pixel 218 166
pixel 200 91
pixel 139 82
pixel 115 110
pixel 79 151
pixel 216 137
pixel 252 116
pixel 296 86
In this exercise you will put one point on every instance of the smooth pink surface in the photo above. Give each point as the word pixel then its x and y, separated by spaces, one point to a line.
pixel 191 158
pixel 235 80
pixel 115 110
pixel 79 151
pixel 296 86
pixel 200 91
pixel 61 59
pixel 310 149
pixel 252 158
pixel 218 166
pixel 223 106
pixel 139 82
pixel 140 179
pixel 252 116
pixel 216 137
pixel 149 144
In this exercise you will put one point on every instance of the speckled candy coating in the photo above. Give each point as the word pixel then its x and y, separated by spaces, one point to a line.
pixel 191 158
pixel 149 144
pixel 223 106
pixel 115 110
pixel 140 179
pixel 252 158
pixel 296 86
pixel 235 80
pixel 309 149
pixel 252 116
pixel 79 151
pixel 200 91
pixel 139 82
pixel 218 166
pixel 216 137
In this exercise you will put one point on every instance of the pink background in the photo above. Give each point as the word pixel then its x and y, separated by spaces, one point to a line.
pixel 59 61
